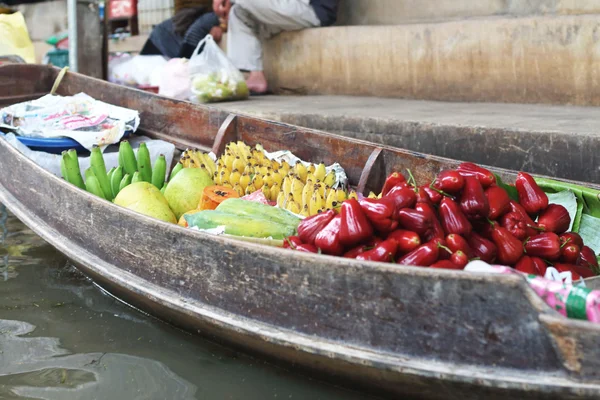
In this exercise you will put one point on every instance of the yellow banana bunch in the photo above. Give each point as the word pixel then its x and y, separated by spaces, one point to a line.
pixel 197 159
pixel 303 188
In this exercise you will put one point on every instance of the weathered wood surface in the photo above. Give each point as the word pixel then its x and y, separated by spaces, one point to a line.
pixel 399 330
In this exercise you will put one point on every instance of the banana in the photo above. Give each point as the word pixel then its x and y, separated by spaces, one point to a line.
pixel 115 181
pixel 372 195
pixel 178 167
pixel 320 187
pixel 89 172
pixel 268 180
pixel 234 177
pixel 73 154
pixel 266 191
pixel 305 212
pixel 275 165
pixel 311 169
pixel 341 195
pixel 92 185
pixel 72 170
pixel 257 181
pixel 244 150
pixel 293 207
pixel 330 178
pixel 306 194
pixel 281 199
pixel 125 182
pixel 250 189
pixel 286 185
pixel 128 157
pixel 316 203
pixel 274 192
pixel 248 169
pixel 285 168
pixel 238 188
pixel 109 174
pixel 263 170
pixel 63 167
pixel 331 200
pixel 227 184
pixel 277 177
pixel 228 161
pixel 99 168
pixel 238 163
pixel 198 161
pixel 159 171
pixel 144 165
pixel 353 195
pixel 301 171
pixel 224 176
pixel 210 164
pixel 137 177
pixel 244 181
pixel 311 177
pixel 297 187
pixel 320 172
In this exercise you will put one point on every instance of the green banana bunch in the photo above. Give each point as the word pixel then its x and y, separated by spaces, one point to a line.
pixel 159 171
pixel 137 177
pixel 69 166
pixel 125 182
pixel 92 183
pixel 130 170
pixel 127 158
pixel 115 181
pixel 143 163
pixel 99 168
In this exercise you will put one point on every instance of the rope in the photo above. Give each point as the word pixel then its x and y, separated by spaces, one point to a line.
pixel 58 80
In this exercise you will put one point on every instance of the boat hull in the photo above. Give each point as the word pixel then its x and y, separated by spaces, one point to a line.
pixel 401 331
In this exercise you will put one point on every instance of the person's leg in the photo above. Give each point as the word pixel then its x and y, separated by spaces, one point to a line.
pixel 253 20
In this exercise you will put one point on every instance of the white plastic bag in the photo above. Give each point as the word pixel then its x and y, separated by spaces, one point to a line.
pixel 137 70
pixel 214 77
pixel 175 80
pixel 51 162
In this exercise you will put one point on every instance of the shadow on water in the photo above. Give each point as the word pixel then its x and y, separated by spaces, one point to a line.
pixel 62 338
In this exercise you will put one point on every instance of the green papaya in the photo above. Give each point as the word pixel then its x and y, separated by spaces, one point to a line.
pixel 252 209
pixel 239 225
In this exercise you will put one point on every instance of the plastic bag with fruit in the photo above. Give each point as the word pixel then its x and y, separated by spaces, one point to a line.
pixel 213 76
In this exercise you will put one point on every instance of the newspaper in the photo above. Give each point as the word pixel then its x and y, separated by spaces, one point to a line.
pixel 80 117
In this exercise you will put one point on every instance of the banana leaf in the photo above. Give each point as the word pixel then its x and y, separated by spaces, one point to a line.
pixel 511 190
pixel 567 199
pixel 589 197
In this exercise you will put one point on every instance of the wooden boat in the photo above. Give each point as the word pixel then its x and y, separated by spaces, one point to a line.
pixel 397 330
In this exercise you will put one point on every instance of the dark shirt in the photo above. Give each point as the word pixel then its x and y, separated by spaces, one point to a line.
pixel 326 10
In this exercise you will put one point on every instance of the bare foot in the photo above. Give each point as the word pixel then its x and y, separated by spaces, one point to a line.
pixel 257 82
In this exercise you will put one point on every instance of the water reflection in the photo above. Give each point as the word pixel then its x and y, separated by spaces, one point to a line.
pixel 62 338
pixel 38 367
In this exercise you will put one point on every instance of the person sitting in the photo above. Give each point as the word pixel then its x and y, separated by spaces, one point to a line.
pixel 253 20
pixel 178 36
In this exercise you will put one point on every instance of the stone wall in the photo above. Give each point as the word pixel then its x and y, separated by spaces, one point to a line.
pixel 393 12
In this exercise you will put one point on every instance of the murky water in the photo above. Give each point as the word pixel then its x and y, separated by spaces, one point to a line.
pixel 62 338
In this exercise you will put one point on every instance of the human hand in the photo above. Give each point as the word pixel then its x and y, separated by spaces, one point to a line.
pixel 217 33
pixel 221 7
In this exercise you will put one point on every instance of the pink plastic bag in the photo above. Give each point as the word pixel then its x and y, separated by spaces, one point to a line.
pixel 175 80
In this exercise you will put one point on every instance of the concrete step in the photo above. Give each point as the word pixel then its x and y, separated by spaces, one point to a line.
pixel 542 59
pixel 560 141
pixel 395 12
